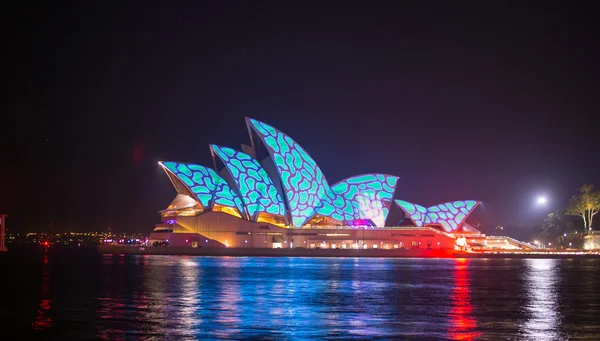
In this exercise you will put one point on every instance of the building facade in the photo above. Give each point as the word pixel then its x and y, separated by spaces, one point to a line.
pixel 273 194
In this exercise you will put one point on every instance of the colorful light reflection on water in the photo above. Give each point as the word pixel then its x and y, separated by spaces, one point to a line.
pixel 462 324
pixel 207 298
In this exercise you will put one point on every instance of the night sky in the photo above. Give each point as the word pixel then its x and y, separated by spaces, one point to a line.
pixel 461 100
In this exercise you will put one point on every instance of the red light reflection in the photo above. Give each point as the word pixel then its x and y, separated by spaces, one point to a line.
pixel 43 320
pixel 462 324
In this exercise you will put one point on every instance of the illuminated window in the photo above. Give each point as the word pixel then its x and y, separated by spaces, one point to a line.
pixel 229 210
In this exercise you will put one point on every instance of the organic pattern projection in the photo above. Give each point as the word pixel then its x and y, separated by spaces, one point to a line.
pixel 206 184
pixel 306 189
pixel 417 213
pixel 450 215
pixel 371 194
pixel 258 192
pixel 356 200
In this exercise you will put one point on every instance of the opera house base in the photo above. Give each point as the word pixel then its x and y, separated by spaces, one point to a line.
pixel 268 252
pixel 217 229
pixel 301 252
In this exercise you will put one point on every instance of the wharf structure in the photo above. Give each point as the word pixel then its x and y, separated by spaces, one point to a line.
pixel 272 194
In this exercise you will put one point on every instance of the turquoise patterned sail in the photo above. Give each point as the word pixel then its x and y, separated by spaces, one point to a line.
pixel 370 194
pixel 299 192
pixel 206 184
pixel 256 188
pixel 305 187
pixel 450 216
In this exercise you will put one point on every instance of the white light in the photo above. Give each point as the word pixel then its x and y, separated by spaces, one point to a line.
pixel 541 200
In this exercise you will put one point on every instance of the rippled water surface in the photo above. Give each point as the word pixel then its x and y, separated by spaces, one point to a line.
pixel 85 296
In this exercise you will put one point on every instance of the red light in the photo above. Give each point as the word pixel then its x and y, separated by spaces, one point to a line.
pixel 45 243
pixel 463 326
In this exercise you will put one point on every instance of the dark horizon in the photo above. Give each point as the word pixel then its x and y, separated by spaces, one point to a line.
pixel 461 101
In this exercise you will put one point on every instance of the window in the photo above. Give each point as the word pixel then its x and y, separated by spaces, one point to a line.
pixel 374 246
pixel 395 246
pixel 413 243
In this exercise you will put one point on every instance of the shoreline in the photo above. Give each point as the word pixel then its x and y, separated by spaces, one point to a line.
pixel 301 252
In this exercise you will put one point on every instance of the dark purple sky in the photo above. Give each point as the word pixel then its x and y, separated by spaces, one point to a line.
pixel 462 101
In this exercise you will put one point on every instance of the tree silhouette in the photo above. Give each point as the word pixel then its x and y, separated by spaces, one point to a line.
pixel 585 204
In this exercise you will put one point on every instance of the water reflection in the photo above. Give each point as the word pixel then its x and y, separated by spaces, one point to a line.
pixel 43 319
pixel 191 304
pixel 542 304
pixel 463 325
pixel 209 298
pixel 227 299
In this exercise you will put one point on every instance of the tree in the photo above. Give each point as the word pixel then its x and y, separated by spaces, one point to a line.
pixel 555 225
pixel 585 204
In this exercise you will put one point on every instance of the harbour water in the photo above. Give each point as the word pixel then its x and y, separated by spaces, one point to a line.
pixel 78 295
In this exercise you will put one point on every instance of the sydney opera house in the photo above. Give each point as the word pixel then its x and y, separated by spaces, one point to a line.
pixel 272 194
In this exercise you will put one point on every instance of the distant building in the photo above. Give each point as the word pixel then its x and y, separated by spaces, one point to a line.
pixel 591 241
